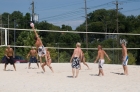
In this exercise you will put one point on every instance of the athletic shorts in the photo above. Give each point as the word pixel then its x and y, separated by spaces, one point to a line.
pixel 33 60
pixel 10 60
pixel 101 62
pixel 75 63
pixel 41 51
pixel 125 61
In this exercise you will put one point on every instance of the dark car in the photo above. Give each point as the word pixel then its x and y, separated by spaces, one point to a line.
pixel 17 59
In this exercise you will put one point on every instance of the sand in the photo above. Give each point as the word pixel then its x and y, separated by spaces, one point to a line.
pixel 33 80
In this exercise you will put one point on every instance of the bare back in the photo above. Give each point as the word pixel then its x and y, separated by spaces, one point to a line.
pixel 48 54
pixel 77 52
pixel 38 42
pixel 124 51
pixel 9 52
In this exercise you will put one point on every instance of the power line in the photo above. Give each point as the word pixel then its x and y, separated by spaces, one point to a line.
pixel 63 14
pixel 132 10
pixel 73 12
pixel 63 5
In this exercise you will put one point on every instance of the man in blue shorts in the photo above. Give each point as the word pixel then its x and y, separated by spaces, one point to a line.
pixel 33 57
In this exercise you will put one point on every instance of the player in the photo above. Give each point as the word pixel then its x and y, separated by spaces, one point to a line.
pixel 124 57
pixel 9 57
pixel 100 57
pixel 39 45
pixel 33 57
pixel 75 60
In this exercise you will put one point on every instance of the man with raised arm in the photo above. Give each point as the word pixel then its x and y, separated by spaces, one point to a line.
pixel 9 57
pixel 33 57
pixel 100 57
pixel 124 57
pixel 40 47
pixel 75 60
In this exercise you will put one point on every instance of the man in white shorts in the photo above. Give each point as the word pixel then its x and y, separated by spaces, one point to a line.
pixel 100 57
pixel 40 47
pixel 124 57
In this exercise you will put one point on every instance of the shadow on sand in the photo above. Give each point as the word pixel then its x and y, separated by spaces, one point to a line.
pixel 117 73
pixel 93 74
pixel 70 76
pixel 8 70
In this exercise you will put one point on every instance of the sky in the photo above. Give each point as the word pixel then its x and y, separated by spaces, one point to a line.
pixel 68 12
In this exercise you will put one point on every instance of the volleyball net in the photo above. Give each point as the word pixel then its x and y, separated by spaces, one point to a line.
pixel 62 43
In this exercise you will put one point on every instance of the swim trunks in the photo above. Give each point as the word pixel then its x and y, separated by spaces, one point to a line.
pixel 10 60
pixel 101 62
pixel 125 61
pixel 75 63
pixel 41 51
pixel 33 59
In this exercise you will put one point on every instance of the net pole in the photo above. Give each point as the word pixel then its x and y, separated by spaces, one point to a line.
pixel 5 37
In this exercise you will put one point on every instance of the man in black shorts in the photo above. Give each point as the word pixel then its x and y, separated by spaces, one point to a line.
pixel 75 60
pixel 9 57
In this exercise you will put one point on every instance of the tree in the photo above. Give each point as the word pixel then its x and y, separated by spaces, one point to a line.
pixel 66 28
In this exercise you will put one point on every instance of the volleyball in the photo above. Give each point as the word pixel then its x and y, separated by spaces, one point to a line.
pixel 32 24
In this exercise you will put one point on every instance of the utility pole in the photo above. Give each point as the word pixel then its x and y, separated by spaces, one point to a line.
pixel 117 16
pixel 117 27
pixel 8 29
pixel 32 10
pixel 1 31
pixel 86 24
pixel 14 37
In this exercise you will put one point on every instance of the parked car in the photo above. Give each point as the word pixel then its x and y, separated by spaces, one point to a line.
pixel 17 59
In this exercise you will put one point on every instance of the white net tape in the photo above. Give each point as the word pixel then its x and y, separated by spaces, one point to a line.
pixel 134 34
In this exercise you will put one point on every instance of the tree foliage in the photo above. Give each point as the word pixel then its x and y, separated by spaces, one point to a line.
pixel 100 20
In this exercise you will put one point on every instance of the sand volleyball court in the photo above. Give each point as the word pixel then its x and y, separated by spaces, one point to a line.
pixel 33 80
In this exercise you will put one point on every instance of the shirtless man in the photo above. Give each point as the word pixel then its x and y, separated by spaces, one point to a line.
pixel 75 59
pixel 33 57
pixel 124 58
pixel 100 57
pixel 48 62
pixel 84 61
pixel 9 57
pixel 39 45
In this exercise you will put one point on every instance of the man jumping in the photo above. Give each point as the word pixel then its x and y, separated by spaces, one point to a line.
pixel 39 45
